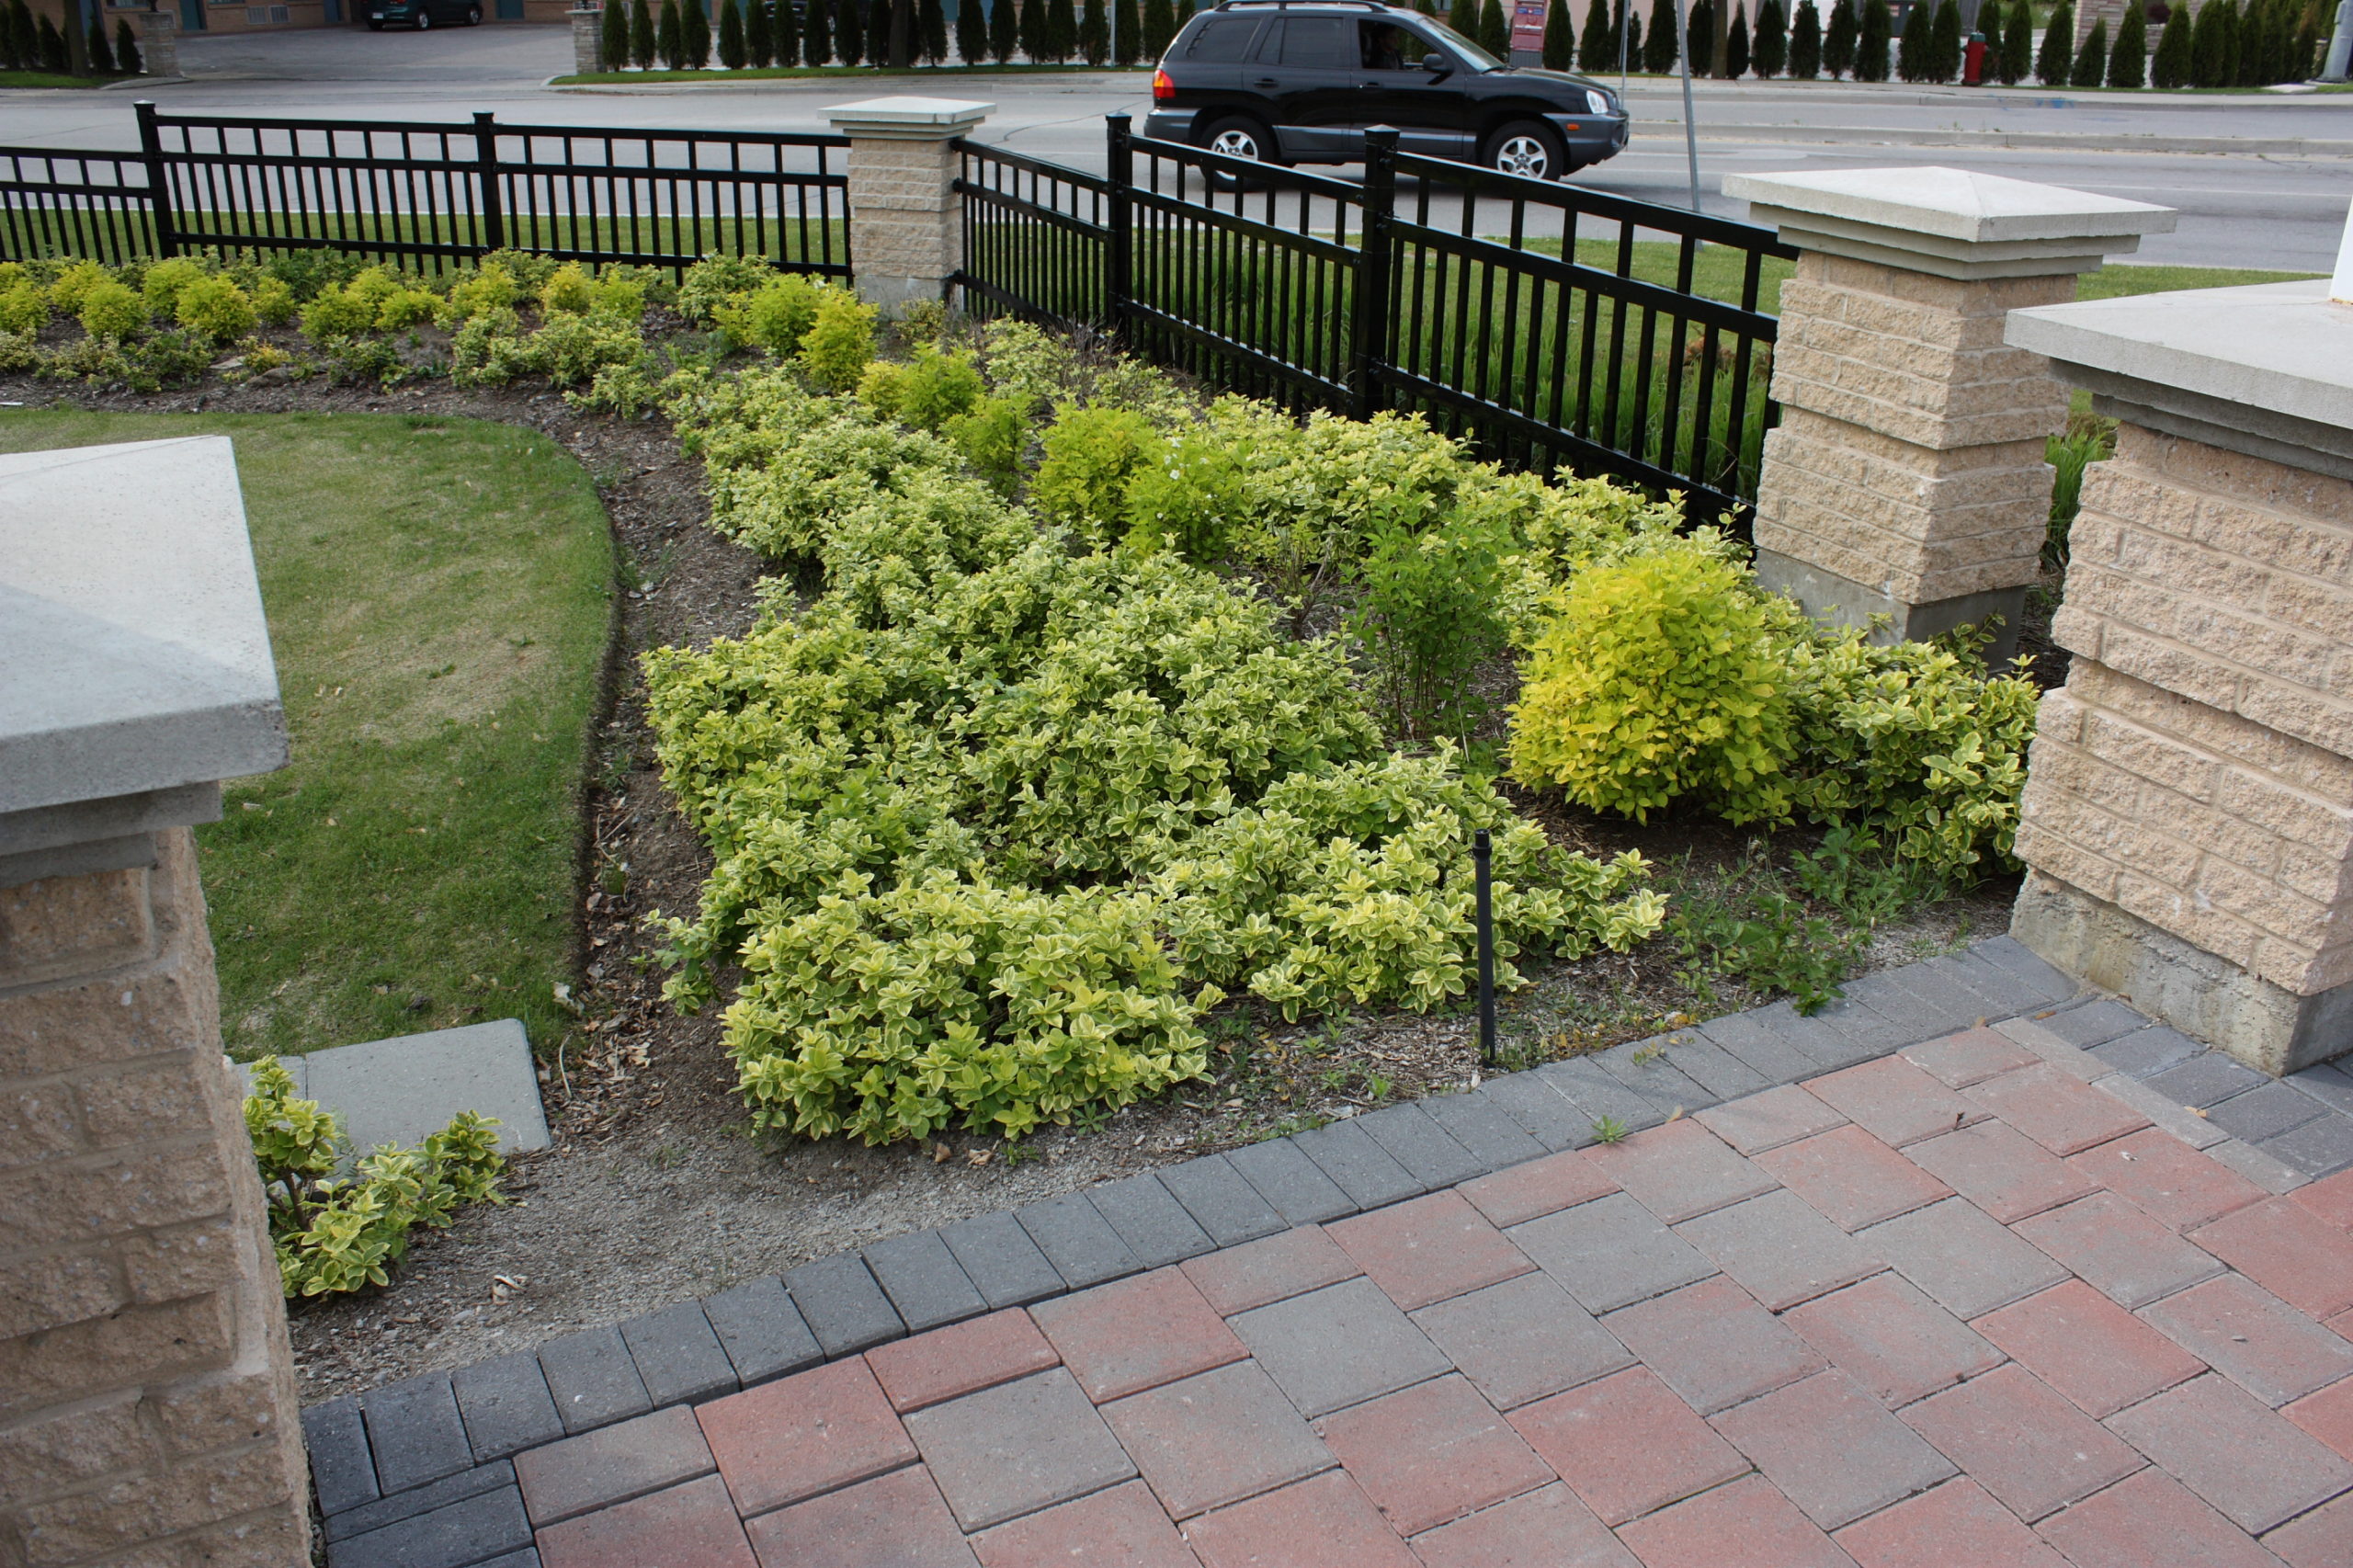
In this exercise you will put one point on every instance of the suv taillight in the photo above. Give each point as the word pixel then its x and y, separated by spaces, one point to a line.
pixel 1163 89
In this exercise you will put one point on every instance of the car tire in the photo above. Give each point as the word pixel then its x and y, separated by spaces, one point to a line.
pixel 1237 137
pixel 375 26
pixel 424 22
pixel 473 15
pixel 1529 148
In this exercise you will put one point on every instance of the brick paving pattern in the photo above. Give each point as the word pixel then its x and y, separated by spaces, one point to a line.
pixel 1918 1290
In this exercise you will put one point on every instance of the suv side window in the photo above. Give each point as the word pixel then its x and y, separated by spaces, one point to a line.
pixel 1321 43
pixel 1222 41
pixel 1385 46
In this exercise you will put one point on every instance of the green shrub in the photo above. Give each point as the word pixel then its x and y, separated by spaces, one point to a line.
pixel 568 351
pixel 215 308
pixel 568 290
pixel 107 309
pixel 775 317
pixel 1431 615
pixel 1090 455
pixel 840 343
pixel 992 438
pixel 332 1233
pixel 490 350
pixel 72 286
pixel 274 301
pixel 621 296
pixel 407 307
pixel 490 290
pixel 715 281
pixel 883 388
pixel 342 310
pixel 939 387
pixel 24 308
pixel 164 282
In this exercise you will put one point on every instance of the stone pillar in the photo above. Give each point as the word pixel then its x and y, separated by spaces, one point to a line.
pixel 588 40
pixel 2187 824
pixel 147 1396
pixel 1906 478
pixel 159 47
pixel 905 225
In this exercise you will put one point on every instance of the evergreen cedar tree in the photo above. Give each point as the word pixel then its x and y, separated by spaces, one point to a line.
pixel 1838 43
pixel 1094 34
pixel 1871 39
pixel 641 35
pixel 2017 44
pixel 101 57
pixel 1560 37
pixel 1462 15
pixel 1736 43
pixel 1032 30
pixel 1944 41
pixel 1630 47
pixel 1427 7
pixel 1495 33
pixel 1700 20
pixel 1911 45
pixel 126 50
pixel 849 32
pixel 669 39
pixel 733 52
pixel 2091 60
pixel 1062 31
pixel 53 48
pixel 817 32
pixel 612 43
pixel 2055 61
pixel 694 36
pixel 1805 42
pixel 1597 47
pixel 2128 67
pixel 1159 27
pixel 1127 35
pixel 2215 63
pixel 787 34
pixel 1004 29
pixel 1772 48
pixel 972 32
pixel 1659 48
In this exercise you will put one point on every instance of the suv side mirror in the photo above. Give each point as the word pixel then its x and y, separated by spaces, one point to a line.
pixel 1437 63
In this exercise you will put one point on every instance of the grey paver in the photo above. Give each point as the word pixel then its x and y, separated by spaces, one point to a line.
pixel 414 1431
pixel 487 1525
pixel 1771 1053
pixel 2328 1084
pixel 341 1466
pixel 1228 1208
pixel 593 1379
pixel 2206 1079
pixel 1001 1261
pixel 506 1405
pixel 404 1089
pixel 420 1499
pixel 1999 993
pixel 1832 1048
pixel 1362 1167
pixel 2264 1112
pixel 1777 1248
pixel 1483 1128
pixel 2013 957
pixel 1522 1340
pixel 1652 1076
pixel 1018 1448
pixel 1338 1346
pixel 1610 1252
pixel 1077 1241
pixel 1154 1225
pixel 527 1557
pixel 2320 1147
pixel 1874 1032
pixel 613 1465
pixel 2093 1023
pixel 2143 1051
pixel 1714 1069
pixel 1540 1110
pixel 2266 1170
pixel 2072 1060
pixel 842 1304
pixel 1962 1259
pixel 761 1331
pixel 2187 1125
pixel 1412 1138
pixel 678 1357
pixel 1586 1085
pixel 1920 997
pixel 1295 1184
pixel 924 1282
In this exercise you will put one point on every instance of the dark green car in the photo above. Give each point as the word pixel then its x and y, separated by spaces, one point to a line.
pixel 422 14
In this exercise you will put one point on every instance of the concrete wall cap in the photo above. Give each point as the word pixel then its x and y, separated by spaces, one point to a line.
pixel 2271 347
pixel 909 116
pixel 133 653
pixel 1953 204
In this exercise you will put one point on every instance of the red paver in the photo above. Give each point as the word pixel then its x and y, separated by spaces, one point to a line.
pixel 2004 1172
pixel 1432 1453
pixel 1136 1333
pixel 2167 1179
pixel 1628 1445
pixel 2328 1416
pixel 2023 1443
pixel 960 1359
pixel 1852 1177
pixel 1679 1170
pixel 1895 1101
pixel 1832 1450
pixel 1745 1524
pixel 1429 1249
pixel 1544 1528
pixel 2257 1469
pixel 694 1523
pixel 2087 1347
pixel 1767 1121
pixel 614 1462
pixel 1268 1269
pixel 2322 1538
pixel 1122 1528
pixel 2331 1198
pixel 2056 1110
pixel 1894 1341
pixel 1314 1523
pixel 2118 1250
pixel 893 1521
pixel 1960 1060
pixel 1538 1188
pixel 802 1435
pixel 1216 1439
pixel 2343 1323
pixel 1712 1344
pixel 2254 1338
pixel 1955 1526
pixel 2150 1520
pixel 2289 1251
pixel 1522 1339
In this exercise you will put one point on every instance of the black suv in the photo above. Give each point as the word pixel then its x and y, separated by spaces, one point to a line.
pixel 1297 82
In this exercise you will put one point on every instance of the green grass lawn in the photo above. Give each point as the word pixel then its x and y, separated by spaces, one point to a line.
pixel 439 594
pixel 51 79
pixel 844 73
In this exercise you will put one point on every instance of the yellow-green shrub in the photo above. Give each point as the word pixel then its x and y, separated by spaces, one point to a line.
pixel 840 342
pixel 216 308
pixel 164 280
pixel 882 387
pixel 274 301
pixel 569 290
pixel 407 307
pixel 774 317
pixel 24 308
pixel 1090 456
pixel 490 288
pixel 108 308
pixel 73 285
pixel 715 281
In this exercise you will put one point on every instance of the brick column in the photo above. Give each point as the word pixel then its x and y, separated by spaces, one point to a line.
pixel 2188 814
pixel 159 49
pixel 906 227
pixel 588 40
pixel 147 1397
pixel 1906 478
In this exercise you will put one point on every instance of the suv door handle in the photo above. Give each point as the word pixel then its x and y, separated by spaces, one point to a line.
pixel 1265 81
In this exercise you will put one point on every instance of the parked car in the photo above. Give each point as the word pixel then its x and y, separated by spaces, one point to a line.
pixel 1298 81
pixel 422 14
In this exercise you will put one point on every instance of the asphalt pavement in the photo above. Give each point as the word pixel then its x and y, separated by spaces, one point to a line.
pixel 2260 180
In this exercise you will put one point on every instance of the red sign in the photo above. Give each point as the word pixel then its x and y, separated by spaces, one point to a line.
pixel 1528 26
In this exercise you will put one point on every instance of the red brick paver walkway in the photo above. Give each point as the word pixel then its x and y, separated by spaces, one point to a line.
pixel 1948 1307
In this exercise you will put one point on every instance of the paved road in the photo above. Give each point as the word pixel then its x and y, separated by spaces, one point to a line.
pixel 2279 210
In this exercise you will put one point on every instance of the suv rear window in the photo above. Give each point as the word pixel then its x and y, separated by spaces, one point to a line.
pixel 1323 43
pixel 1222 41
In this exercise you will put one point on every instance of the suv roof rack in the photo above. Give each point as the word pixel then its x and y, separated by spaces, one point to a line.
pixel 1287 4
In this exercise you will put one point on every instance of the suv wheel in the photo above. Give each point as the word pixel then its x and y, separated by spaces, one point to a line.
pixel 473 15
pixel 424 20
pixel 1237 139
pixel 1530 148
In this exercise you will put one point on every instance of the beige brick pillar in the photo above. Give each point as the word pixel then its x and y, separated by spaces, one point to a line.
pixel 906 225
pixel 147 1398
pixel 2188 816
pixel 1906 478
pixel 159 49
pixel 588 40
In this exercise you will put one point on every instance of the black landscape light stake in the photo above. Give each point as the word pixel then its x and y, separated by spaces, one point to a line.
pixel 1481 856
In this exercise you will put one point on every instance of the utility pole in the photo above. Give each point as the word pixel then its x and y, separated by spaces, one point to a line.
pixel 2340 45
pixel 1691 127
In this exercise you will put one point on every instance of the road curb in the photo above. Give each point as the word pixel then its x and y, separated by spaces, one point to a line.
pixel 2068 141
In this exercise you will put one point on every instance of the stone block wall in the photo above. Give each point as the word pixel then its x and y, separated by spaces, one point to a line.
pixel 147 1400
pixel 910 233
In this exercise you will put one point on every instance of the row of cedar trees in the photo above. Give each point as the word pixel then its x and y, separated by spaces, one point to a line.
pixel 2268 42
pixel 29 45
pixel 759 34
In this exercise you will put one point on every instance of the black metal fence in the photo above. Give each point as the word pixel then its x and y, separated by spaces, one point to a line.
pixel 427 196
pixel 1548 324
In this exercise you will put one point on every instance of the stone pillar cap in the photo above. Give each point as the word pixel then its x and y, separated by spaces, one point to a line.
pixel 909 118
pixel 1949 223
pixel 133 654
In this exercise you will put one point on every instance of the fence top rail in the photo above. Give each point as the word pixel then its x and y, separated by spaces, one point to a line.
pixel 1027 165
pixel 1257 173
pixel 1697 308
pixel 468 128
pixel 1600 204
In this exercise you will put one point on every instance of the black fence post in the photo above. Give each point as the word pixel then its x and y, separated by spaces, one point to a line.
pixel 1369 326
pixel 159 180
pixel 1118 250
pixel 493 221
pixel 1482 858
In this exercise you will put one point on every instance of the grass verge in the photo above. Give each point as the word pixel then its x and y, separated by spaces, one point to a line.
pixel 438 594
pixel 837 73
